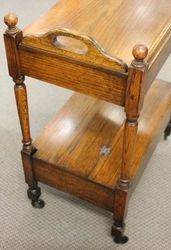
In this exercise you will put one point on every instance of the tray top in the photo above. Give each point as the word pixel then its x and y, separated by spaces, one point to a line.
pixel 116 25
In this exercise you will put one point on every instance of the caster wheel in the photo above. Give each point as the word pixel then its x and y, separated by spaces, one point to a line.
pixel 165 137
pixel 117 234
pixel 121 239
pixel 167 131
pixel 38 204
pixel 33 193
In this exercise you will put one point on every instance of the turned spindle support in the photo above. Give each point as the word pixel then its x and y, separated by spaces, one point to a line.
pixel 12 37
pixel 134 102
pixel 22 107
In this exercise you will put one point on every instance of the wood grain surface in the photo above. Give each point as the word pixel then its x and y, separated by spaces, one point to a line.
pixel 91 149
pixel 116 25
pixel 84 126
pixel 102 84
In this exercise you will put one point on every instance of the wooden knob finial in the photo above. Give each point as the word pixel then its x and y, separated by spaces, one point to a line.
pixel 140 52
pixel 11 21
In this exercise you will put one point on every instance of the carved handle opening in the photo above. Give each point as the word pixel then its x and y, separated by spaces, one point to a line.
pixel 74 45
pixel 74 42
pixel 70 44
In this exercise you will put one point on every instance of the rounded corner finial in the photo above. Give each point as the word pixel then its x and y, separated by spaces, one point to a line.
pixel 140 52
pixel 11 20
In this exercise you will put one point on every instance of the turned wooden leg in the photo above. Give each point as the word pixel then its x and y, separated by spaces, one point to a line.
pixel 28 150
pixel 133 105
pixel 122 190
pixel 167 131
pixel 12 37
pixel 120 211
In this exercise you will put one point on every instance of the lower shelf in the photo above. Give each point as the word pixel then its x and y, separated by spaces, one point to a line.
pixel 80 150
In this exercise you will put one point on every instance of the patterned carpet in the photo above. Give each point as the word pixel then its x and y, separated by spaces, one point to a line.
pixel 67 222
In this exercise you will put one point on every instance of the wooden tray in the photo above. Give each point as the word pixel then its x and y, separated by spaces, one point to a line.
pixel 116 25
pixel 96 48
pixel 80 150
pixel 112 51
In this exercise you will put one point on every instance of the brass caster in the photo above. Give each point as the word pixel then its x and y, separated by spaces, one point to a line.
pixel 34 193
pixel 167 131
pixel 117 234
pixel 38 204
pixel 122 239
